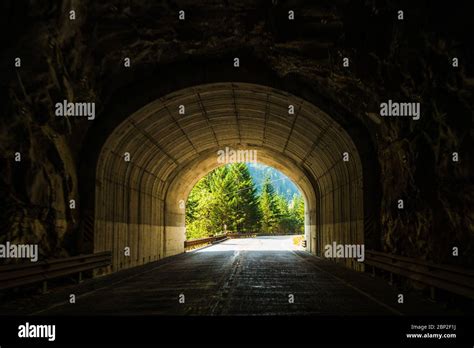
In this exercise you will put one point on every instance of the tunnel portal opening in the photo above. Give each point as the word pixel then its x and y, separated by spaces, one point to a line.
pixel 150 162
pixel 243 199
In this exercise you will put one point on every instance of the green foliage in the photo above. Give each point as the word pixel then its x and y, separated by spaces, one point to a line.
pixel 246 202
pixel 291 217
pixel 282 185
pixel 226 200
pixel 269 207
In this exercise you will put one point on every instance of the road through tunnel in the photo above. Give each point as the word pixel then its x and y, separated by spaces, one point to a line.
pixel 151 161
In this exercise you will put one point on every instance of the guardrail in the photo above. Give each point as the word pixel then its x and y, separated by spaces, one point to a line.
pixel 202 241
pixel 449 278
pixel 259 234
pixel 15 275
pixel 242 235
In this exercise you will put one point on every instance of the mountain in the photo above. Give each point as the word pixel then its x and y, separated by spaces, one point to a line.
pixel 282 184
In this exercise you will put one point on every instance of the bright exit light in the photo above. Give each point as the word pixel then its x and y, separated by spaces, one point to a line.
pixel 270 243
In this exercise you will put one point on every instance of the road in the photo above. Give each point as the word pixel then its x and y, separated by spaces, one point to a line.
pixel 252 276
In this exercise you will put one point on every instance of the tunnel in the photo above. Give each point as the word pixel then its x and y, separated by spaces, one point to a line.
pixel 137 199
pixel 299 83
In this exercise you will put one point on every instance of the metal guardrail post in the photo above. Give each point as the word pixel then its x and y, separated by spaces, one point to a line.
pixel 14 276
pixel 435 277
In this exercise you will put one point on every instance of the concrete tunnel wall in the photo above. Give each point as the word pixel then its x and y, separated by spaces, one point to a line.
pixel 137 202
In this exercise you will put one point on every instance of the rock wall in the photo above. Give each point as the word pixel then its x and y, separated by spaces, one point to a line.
pixel 412 61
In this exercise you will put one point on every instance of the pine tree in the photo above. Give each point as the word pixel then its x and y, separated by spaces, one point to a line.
pixel 198 221
pixel 268 207
pixel 297 213
pixel 228 196
pixel 285 221
pixel 246 198
pixel 223 207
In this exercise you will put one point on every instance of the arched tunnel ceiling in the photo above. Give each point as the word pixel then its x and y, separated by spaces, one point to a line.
pixel 170 151
pixel 161 141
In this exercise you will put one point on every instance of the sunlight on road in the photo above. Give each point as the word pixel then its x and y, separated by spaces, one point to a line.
pixel 269 243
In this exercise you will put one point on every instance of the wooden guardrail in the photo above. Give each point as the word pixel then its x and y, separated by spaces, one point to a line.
pixel 449 278
pixel 15 275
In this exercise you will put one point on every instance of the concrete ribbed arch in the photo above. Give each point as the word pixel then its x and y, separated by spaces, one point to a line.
pixel 137 202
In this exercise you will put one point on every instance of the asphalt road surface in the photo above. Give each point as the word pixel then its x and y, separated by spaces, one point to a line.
pixel 251 276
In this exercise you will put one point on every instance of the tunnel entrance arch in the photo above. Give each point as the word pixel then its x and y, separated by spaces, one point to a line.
pixel 196 171
pixel 219 197
pixel 151 160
